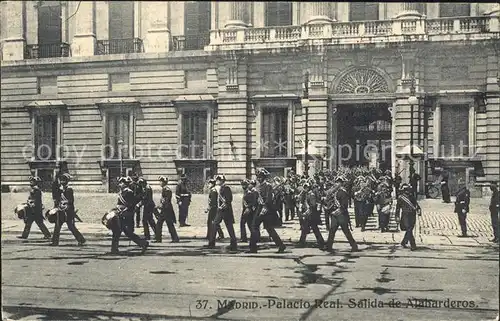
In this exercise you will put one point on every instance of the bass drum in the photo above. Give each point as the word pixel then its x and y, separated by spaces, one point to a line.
pixel 108 218
pixel 55 213
pixel 21 211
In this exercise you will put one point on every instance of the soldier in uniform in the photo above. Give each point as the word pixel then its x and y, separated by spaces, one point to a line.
pixel 35 210
pixel 310 216
pixel 278 195
pixel 248 209
pixel 67 202
pixel 359 202
pixel 289 200
pixel 212 209
pixel 383 199
pixel 408 206
pixel 264 213
pixel 224 213
pixel 462 203
pixel 338 208
pixel 494 210
pixel 138 194
pixel 183 196
pixel 56 191
pixel 445 189
pixel 125 222
pixel 167 213
pixel 148 205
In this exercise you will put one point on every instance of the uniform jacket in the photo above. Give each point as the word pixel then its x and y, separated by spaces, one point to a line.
pixel 407 208
pixel 126 199
pixel 67 196
pixel 225 203
pixel 494 202
pixel 147 198
pixel 166 203
pixel 343 200
pixel 181 190
pixel 462 201
pixel 289 195
pixel 36 197
pixel 56 192
pixel 249 202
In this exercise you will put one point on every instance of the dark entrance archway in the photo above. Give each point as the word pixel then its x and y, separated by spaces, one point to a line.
pixel 364 135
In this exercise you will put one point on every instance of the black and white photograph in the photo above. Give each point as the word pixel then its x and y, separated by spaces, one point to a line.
pixel 250 160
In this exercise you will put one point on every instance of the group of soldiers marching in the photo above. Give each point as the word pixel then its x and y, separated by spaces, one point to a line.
pixel 327 194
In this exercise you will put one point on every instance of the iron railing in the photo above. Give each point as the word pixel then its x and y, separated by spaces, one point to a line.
pixel 193 42
pixel 119 46
pixel 50 50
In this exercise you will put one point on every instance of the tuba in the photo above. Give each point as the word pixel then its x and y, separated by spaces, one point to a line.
pixel 109 217
pixel 21 211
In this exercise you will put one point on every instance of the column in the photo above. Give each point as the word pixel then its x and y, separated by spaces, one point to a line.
pixel 84 40
pixel 409 10
pixel 238 15
pixel 158 36
pixel 316 12
pixel 13 46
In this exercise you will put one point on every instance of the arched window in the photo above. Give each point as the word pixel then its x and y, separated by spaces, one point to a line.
pixel 278 13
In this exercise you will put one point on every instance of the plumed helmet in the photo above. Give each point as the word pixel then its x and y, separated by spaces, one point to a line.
pixel 220 177
pixel 163 179
pixel 125 180
pixel 35 179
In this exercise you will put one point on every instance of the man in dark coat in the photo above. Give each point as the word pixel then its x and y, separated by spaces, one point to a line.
pixel 34 213
pixel 248 208
pixel 289 200
pixel 212 209
pixel 310 217
pixel 462 203
pixel 183 196
pixel 56 192
pixel 166 213
pixel 148 205
pixel 224 213
pixel 138 193
pixel 67 204
pixel 445 189
pixel 338 209
pixel 494 210
pixel 408 206
pixel 265 213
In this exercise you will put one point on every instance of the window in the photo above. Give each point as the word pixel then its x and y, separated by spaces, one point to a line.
pixel 197 19
pixel 360 11
pixel 454 130
pixel 454 9
pixel 49 30
pixel 194 134
pixel 121 27
pixel 45 137
pixel 47 85
pixel 274 141
pixel 119 82
pixel 117 129
pixel 196 79
pixel 278 13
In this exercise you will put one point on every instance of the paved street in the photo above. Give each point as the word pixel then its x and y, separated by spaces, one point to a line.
pixel 184 281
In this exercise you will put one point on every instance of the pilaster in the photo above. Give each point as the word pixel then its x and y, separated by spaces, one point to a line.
pixel 158 34
pixel 84 40
pixel 14 42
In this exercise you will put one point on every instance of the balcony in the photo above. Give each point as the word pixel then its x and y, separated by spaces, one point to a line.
pixel 51 50
pixel 357 32
pixel 119 46
pixel 197 42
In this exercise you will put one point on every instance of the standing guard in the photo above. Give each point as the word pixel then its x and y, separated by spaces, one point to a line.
pixel 67 206
pixel 212 209
pixel 445 189
pixel 167 214
pixel 148 205
pixel 224 213
pixel 125 222
pixel 183 196
pixel 264 213
pixel 310 217
pixel 248 208
pixel 383 199
pixel 462 203
pixel 494 210
pixel 408 206
pixel 34 214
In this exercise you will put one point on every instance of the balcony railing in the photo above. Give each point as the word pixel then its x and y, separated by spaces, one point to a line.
pixel 421 29
pixel 196 42
pixel 119 46
pixel 51 50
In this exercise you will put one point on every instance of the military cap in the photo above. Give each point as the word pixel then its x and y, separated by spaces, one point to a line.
pixel 142 181
pixel 35 179
pixel 252 182
pixel 405 187
pixel 65 177
pixel 211 181
pixel 220 177
pixel 162 178
pixel 125 180
pixel 340 179
pixel 244 182
pixel 262 172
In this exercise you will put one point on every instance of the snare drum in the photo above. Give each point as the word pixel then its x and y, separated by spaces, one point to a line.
pixel 54 214
pixel 21 211
pixel 109 217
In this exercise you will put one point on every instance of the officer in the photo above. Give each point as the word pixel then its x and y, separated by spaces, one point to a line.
pixel 338 210
pixel 212 209
pixel 249 206
pixel 167 214
pixel 310 217
pixel 224 213
pixel 148 205
pixel 67 203
pixel 264 213
pixel 494 210
pixel 125 223
pixel 445 189
pixel 408 206
pixel 35 210
pixel 183 196
pixel 462 203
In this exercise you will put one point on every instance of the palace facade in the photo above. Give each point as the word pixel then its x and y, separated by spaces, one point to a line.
pixel 163 88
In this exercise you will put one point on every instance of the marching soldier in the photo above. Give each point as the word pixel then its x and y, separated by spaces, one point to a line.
pixel 289 200
pixel 35 210
pixel 494 210
pixel 167 214
pixel 148 205
pixel 183 196
pixel 264 213
pixel 212 209
pixel 278 199
pixel 310 216
pixel 384 203
pixel 445 189
pixel 408 206
pixel 56 192
pixel 248 209
pixel 125 223
pixel 359 202
pixel 365 198
pixel 224 213
pixel 67 203
pixel 462 203
pixel 338 208
pixel 138 194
